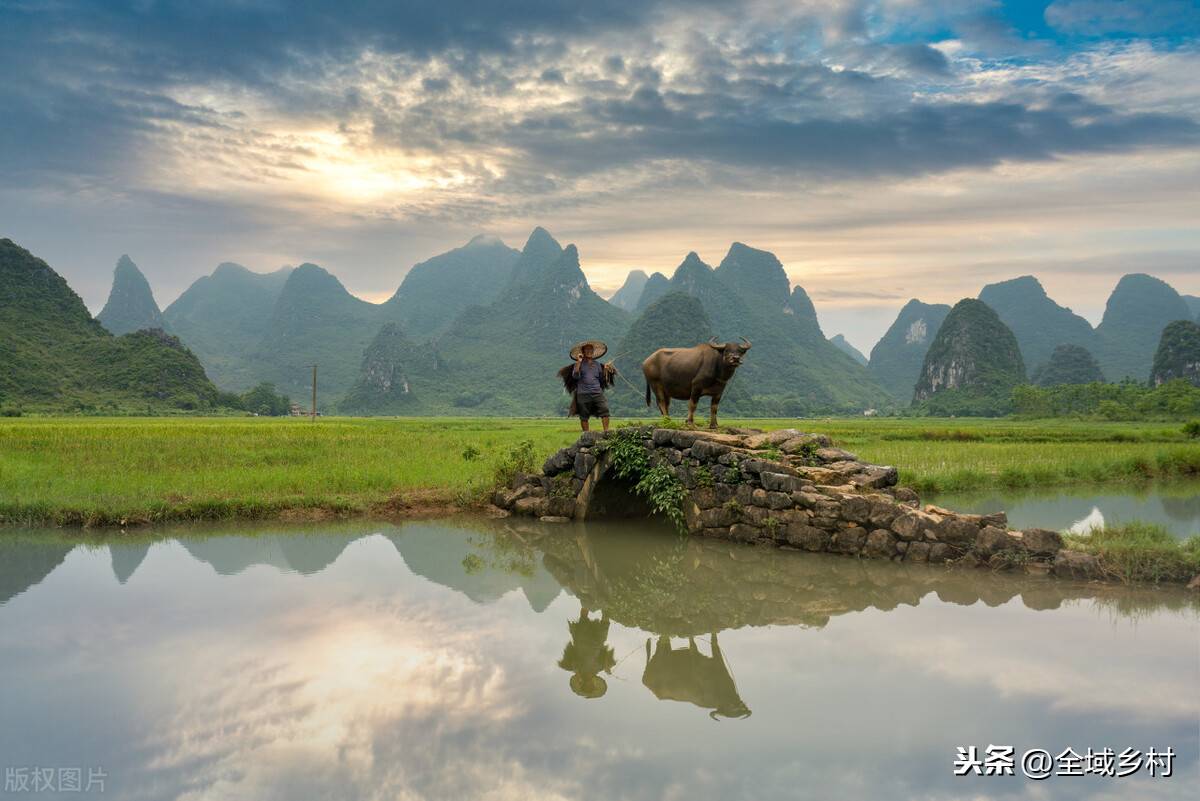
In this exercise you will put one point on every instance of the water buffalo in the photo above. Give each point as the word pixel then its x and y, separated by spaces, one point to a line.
pixel 685 674
pixel 691 373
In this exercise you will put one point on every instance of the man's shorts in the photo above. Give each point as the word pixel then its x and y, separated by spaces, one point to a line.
pixel 591 405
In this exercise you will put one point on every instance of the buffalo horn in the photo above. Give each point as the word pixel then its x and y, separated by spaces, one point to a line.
pixel 746 341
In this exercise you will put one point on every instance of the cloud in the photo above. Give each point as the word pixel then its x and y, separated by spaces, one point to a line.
pixel 1100 17
pixel 370 136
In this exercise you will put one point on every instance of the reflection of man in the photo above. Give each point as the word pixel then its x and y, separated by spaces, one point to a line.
pixel 588 654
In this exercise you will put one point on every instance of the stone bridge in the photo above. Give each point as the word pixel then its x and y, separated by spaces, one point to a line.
pixel 785 488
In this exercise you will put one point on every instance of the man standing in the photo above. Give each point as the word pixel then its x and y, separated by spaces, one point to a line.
pixel 590 378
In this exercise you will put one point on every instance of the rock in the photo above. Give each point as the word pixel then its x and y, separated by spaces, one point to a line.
pixel 855 508
pixel 554 519
pixel 997 519
pixel 883 512
pixel 755 515
pixel 663 436
pixel 740 532
pixel 771 438
pixel 584 462
pixel 780 482
pixel 1042 541
pixel 917 552
pixel 589 438
pixel 956 531
pixel 534 507
pixel 875 477
pixel 991 540
pixel 880 544
pixel 718 516
pixel 806 499
pixel 709 451
pixel 810 538
pixel 1194 584
pixel 835 455
pixel 848 540
pixel 779 500
pixel 559 506
pixel 821 475
pixel 913 525
pixel 907 495
pixel 758 497
pixel 804 442
pixel 940 552
pixel 1076 564
pixel 560 462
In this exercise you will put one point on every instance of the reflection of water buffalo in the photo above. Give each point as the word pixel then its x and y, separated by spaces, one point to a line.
pixel 688 675
pixel 691 373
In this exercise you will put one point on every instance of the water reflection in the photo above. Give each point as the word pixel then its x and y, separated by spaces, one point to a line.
pixel 1175 506
pixel 431 660
pixel 685 674
pixel 588 654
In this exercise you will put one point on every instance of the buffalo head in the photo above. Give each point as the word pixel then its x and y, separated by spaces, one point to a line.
pixel 732 352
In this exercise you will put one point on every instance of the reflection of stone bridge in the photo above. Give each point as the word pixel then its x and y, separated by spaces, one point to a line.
pixel 784 488
pixel 697 588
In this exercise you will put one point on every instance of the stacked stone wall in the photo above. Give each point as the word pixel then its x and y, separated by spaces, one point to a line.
pixel 793 489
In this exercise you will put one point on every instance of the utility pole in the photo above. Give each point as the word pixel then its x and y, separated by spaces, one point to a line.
pixel 314 404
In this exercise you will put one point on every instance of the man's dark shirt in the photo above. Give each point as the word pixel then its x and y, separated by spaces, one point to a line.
pixel 589 377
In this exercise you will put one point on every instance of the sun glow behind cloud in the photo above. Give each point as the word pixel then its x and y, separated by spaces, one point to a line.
pixel 913 149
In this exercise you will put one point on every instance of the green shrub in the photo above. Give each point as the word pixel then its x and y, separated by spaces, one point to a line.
pixel 1191 429
pixel 520 459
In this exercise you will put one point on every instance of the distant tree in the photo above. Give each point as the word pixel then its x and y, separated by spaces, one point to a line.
pixel 265 401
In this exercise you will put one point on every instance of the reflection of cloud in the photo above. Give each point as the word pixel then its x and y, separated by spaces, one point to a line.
pixel 1086 525
pixel 330 697
pixel 1040 659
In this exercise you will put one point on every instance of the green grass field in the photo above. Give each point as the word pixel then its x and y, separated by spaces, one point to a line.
pixel 100 471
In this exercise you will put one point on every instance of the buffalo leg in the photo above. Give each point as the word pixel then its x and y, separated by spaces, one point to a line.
pixel 664 401
pixel 692 401
pixel 712 411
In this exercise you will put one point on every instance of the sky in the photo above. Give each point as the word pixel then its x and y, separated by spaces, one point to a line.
pixel 882 149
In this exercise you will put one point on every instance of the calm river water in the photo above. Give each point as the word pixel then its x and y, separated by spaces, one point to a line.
pixel 1174 506
pixel 495 660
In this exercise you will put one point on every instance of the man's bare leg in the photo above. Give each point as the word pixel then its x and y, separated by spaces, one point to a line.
pixel 583 423
pixel 604 420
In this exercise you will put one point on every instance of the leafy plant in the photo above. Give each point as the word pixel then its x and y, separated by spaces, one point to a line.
pixel 703 476
pixel 520 459
pixel 1191 429
pixel 664 492
pixel 470 453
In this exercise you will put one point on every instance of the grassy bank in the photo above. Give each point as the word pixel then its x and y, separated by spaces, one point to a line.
pixel 100 471
pixel 1141 552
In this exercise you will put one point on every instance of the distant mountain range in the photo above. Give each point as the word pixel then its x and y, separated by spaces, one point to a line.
pixel 482 328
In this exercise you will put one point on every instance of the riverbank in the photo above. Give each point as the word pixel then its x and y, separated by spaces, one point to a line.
pixel 127 471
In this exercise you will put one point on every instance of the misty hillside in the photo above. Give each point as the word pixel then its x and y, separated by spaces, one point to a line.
pixel 55 356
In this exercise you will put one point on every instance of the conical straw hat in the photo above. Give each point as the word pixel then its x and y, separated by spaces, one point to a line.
pixel 599 349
